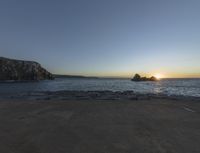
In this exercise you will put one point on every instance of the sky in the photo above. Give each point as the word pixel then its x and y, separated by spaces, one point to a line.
pixel 104 37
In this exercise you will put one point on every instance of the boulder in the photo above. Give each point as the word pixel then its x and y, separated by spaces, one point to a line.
pixel 137 77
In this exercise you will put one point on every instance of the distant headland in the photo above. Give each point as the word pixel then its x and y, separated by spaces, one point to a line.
pixel 74 76
pixel 137 77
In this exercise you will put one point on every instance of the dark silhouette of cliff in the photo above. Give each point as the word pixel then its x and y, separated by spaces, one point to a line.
pixel 19 70
pixel 137 77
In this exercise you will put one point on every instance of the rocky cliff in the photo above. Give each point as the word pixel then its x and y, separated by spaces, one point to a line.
pixel 19 70
pixel 137 77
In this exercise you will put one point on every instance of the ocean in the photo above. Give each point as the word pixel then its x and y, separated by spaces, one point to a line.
pixel 179 87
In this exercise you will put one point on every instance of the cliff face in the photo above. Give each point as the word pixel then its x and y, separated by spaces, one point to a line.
pixel 11 69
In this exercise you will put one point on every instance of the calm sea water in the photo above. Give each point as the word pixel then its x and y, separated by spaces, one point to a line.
pixel 186 87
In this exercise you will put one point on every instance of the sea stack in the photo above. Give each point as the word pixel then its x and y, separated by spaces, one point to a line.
pixel 137 77
pixel 19 70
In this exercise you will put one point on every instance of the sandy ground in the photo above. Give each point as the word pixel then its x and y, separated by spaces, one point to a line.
pixel 142 126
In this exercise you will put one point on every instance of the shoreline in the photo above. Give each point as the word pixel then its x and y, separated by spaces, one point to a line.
pixel 92 95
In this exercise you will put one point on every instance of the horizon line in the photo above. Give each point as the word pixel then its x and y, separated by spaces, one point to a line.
pixel 120 77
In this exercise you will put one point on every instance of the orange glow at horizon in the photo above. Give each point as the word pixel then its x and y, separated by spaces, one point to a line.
pixel 158 75
pixel 129 74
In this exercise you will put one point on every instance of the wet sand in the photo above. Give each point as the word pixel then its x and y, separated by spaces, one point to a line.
pixel 100 126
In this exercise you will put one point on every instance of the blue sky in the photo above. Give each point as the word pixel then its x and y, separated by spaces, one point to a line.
pixel 104 37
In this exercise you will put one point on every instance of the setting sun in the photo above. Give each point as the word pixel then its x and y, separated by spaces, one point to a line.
pixel 158 76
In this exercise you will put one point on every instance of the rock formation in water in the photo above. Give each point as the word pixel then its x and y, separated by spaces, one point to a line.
pixel 18 70
pixel 137 77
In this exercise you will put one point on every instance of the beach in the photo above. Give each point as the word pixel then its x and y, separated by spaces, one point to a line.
pixel 117 76
pixel 140 125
